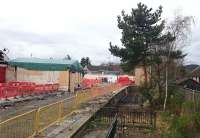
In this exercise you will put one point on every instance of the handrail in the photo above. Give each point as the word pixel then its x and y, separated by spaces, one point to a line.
pixel 113 128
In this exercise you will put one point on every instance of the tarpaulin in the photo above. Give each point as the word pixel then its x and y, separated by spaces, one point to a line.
pixel 46 64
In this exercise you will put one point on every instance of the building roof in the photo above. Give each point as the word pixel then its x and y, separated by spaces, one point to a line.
pixel 195 72
pixel 189 68
pixel 190 83
pixel 46 64
pixel 107 69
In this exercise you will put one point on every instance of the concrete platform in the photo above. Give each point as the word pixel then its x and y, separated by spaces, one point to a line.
pixel 80 117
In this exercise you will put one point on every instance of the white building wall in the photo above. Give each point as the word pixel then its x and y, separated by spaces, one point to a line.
pixel 111 78
pixel 39 77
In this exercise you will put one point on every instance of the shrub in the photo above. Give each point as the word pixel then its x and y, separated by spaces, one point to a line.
pixel 184 125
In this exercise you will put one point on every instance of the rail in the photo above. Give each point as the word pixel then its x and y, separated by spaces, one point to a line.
pixel 127 117
pixel 100 117
pixel 113 128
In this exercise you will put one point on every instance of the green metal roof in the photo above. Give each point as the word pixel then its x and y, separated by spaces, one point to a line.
pixel 47 64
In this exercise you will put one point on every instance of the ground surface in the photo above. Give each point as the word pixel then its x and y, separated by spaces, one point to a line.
pixel 96 134
pixel 135 132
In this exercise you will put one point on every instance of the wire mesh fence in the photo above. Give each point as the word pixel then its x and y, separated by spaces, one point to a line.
pixel 21 126
pixel 48 115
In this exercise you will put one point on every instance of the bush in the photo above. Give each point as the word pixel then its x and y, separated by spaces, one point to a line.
pixel 150 94
pixel 184 125
pixel 175 102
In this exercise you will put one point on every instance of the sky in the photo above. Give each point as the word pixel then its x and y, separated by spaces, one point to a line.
pixel 80 28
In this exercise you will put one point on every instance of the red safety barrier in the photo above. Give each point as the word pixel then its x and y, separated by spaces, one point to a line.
pixel 3 74
pixel 55 86
pixel 20 89
pixel 2 89
pixel 88 83
pixel 11 91
pixel 39 89
pixel 13 83
pixel 124 81
pixel 3 85
pixel 1 92
pixel 48 87
pixel 26 88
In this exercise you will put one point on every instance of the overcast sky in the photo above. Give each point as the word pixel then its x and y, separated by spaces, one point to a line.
pixel 80 28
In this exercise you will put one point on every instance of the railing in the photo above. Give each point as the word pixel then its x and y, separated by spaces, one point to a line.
pixel 112 116
pixel 192 95
pixel 32 123
pixel 113 128
pixel 137 118
pixel 127 117
pixel 21 126
pixel 102 117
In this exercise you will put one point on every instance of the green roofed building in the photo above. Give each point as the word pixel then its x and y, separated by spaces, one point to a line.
pixel 68 73
pixel 46 64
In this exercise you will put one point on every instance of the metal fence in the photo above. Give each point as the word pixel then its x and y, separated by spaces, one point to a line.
pixel 32 123
pixel 21 126
pixel 114 119
pixel 127 117
pixel 113 128
pixel 194 96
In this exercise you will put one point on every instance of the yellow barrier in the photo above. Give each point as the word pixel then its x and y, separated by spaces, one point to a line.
pixel 32 123
pixel 48 115
pixel 21 126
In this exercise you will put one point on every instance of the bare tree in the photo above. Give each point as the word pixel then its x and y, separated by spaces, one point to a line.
pixel 180 28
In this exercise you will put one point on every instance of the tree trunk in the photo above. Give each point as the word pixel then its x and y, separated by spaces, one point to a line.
pixel 166 78
pixel 159 82
pixel 166 88
pixel 145 73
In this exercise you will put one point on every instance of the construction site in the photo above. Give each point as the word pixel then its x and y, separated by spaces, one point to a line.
pixel 99 69
pixel 51 98
pixel 103 111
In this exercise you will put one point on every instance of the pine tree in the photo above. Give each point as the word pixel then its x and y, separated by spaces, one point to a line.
pixel 142 30
pixel 85 61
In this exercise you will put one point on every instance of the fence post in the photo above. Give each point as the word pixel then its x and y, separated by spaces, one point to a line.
pixel 37 121
pixel 154 119
pixel 151 119
pixel 126 90
pixel 75 101
pixel 60 111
